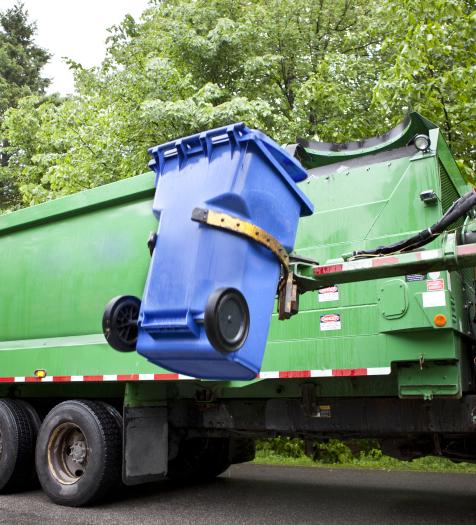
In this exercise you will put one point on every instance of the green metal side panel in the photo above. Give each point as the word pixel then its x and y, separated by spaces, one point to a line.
pixel 61 262
pixel 359 209
pixel 387 322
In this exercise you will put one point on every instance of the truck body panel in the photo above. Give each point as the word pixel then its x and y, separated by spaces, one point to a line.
pixel 60 263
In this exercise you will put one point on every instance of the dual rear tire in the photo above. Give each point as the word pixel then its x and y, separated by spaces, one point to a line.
pixel 203 459
pixel 19 424
pixel 199 459
pixel 77 450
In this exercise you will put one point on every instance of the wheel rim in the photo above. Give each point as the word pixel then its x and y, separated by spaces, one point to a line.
pixel 68 453
pixel 125 322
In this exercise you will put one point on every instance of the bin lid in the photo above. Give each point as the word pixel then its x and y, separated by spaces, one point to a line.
pixel 237 135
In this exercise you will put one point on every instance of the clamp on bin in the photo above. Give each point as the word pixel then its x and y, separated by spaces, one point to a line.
pixel 287 289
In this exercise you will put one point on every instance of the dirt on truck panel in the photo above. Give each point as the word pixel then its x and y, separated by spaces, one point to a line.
pixel 371 333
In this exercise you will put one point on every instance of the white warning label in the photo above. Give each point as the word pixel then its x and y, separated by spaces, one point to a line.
pixel 330 322
pixel 331 293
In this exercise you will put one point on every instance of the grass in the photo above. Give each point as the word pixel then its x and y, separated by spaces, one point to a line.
pixel 427 464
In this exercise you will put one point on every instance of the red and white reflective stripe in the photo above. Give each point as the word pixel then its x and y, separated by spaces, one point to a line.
pixel 282 374
pixel 339 372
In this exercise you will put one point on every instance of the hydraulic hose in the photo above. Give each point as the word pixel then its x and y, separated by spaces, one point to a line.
pixel 458 209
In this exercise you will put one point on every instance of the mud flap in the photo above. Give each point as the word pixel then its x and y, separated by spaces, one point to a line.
pixel 145 453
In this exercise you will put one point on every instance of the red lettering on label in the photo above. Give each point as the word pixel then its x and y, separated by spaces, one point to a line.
pixel 435 284
pixel 330 268
pixel 330 318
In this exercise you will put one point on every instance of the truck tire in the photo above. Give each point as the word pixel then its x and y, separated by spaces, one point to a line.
pixel 78 453
pixel 120 425
pixel 199 460
pixel 35 421
pixel 18 431
pixel 114 413
pixel 242 450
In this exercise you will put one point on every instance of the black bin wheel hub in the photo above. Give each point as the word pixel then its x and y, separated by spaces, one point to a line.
pixel 119 322
pixel 227 319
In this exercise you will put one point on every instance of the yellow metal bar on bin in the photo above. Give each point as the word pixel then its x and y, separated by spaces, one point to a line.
pixel 246 229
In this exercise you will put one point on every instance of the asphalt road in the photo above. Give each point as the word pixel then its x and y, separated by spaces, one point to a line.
pixel 252 494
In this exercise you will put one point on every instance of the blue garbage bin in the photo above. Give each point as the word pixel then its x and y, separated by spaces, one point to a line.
pixel 209 294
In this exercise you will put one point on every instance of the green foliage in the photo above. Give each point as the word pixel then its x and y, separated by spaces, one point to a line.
pixel 433 46
pixel 333 451
pixel 20 65
pixel 339 70
pixel 281 446
pixel 189 66
pixel 361 453
pixel 20 59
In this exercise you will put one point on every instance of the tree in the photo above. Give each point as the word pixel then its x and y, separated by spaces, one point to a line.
pixel 21 61
pixel 338 70
pixel 193 65
pixel 433 72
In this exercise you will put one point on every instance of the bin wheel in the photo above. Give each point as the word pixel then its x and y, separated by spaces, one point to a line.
pixel 78 453
pixel 227 319
pixel 119 322
pixel 18 431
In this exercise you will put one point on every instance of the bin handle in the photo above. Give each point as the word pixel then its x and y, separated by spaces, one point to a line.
pixel 195 144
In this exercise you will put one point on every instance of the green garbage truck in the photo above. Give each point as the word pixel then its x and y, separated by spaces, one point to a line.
pixel 372 335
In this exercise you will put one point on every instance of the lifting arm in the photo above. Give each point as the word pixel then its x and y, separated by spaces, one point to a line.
pixel 450 256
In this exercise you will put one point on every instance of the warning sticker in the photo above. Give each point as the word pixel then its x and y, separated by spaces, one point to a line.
pixel 330 322
pixel 435 285
pixel 331 293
